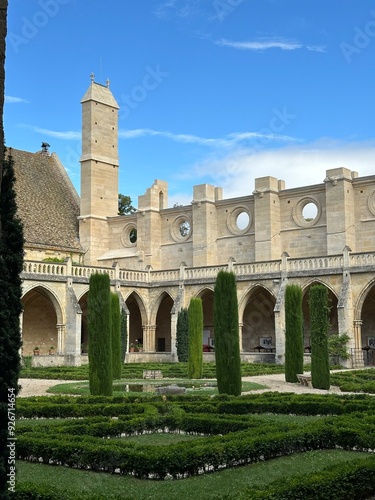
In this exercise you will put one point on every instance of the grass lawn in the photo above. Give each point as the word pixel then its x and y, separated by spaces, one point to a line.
pixel 86 484
pixel 201 387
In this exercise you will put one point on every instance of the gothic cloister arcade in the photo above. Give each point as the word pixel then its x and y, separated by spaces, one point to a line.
pixel 258 319
pixel 41 318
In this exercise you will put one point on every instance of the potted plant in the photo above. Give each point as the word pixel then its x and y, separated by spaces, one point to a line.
pixel 36 351
pixel 139 346
pixel 132 347
pixel 51 350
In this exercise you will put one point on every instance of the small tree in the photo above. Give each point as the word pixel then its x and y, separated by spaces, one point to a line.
pixel 338 347
pixel 124 334
pixel 293 333
pixel 227 347
pixel 99 330
pixel 116 336
pixel 125 206
pixel 195 358
pixel 182 335
pixel 319 311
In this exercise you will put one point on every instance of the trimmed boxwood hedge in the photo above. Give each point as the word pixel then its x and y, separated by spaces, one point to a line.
pixel 230 435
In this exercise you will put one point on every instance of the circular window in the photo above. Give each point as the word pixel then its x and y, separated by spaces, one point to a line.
pixel 306 212
pixel 371 202
pixel 181 228
pixel 242 220
pixel 239 220
pixel 129 235
pixel 309 212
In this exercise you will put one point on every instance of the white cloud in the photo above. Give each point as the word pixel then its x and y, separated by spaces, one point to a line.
pixel 298 165
pixel 14 100
pixel 229 141
pixel 262 44
pixel 66 135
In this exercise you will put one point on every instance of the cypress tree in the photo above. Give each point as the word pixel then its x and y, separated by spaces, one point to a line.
pixel 182 335
pixel 227 346
pixel 124 334
pixel 116 336
pixel 293 333
pixel 11 262
pixel 99 329
pixel 195 321
pixel 319 313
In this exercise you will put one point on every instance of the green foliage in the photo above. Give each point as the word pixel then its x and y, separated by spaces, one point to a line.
pixel 124 334
pixel 135 370
pixel 227 348
pixel 355 381
pixel 116 335
pixel 11 262
pixel 182 335
pixel 338 347
pixel 293 333
pixel 230 434
pixel 125 206
pixel 195 322
pixel 99 329
pixel 319 311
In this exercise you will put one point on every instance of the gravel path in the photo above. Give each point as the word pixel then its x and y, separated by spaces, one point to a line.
pixel 275 382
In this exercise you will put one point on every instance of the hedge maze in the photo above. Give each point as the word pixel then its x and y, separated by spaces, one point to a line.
pixel 91 433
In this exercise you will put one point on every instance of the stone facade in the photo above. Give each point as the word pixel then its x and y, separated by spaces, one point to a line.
pixel 159 257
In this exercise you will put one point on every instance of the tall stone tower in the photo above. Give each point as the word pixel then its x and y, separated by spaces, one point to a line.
pixel 99 169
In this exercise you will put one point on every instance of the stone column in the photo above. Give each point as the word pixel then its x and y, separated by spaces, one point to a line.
pixel 174 317
pixel 240 326
pixel 357 323
pixel 358 361
pixel 279 312
pixel 149 338
pixel 60 338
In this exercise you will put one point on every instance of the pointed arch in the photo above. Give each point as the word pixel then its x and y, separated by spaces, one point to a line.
pixel 137 317
pixel 42 312
pixel 82 301
pixel 161 311
pixel 207 296
pixel 257 317
pixel 364 310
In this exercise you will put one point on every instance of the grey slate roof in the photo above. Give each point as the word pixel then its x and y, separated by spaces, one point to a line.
pixel 48 204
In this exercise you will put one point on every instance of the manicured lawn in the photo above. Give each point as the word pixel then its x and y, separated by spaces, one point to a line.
pixel 197 387
pixel 85 484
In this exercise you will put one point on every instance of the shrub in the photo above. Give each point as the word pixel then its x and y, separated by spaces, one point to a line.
pixel 227 348
pixel 318 300
pixel 195 321
pixel 116 336
pixel 99 329
pixel 293 333
pixel 182 335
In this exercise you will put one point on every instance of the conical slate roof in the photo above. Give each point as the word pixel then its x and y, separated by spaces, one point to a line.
pixel 48 204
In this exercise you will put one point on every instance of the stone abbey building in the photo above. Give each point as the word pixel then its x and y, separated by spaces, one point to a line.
pixel 159 257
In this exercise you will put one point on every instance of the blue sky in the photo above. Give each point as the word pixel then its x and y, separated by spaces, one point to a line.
pixel 210 91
